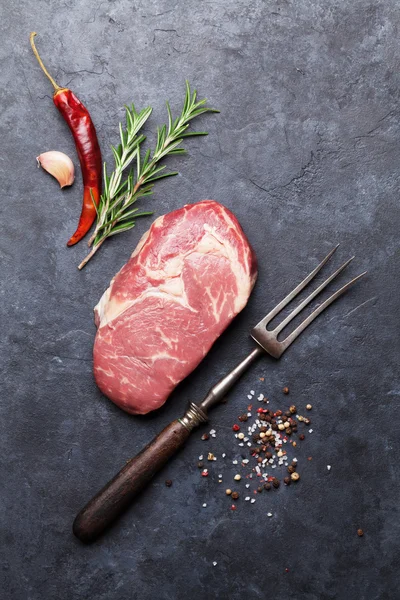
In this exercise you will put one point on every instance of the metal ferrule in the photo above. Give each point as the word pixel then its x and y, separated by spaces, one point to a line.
pixel 193 417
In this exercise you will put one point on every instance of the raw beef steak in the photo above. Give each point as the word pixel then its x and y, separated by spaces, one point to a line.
pixel 189 276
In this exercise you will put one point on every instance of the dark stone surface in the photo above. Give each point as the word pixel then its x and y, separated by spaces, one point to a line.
pixel 306 153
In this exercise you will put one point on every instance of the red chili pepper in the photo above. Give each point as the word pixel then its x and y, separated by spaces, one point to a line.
pixel 81 125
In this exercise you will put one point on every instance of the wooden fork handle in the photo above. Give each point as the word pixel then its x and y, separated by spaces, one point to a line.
pixel 118 494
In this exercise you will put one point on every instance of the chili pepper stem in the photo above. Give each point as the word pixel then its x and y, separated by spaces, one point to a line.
pixel 90 255
pixel 55 85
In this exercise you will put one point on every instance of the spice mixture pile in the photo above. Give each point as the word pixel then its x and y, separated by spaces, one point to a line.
pixel 264 437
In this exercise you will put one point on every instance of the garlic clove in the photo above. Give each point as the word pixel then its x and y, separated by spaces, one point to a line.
pixel 59 165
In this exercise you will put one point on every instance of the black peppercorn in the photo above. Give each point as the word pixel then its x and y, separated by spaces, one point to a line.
pixel 291 469
pixel 288 431
pixel 260 489
pixel 267 486
pixel 235 495
pixel 274 427
pixel 268 455
pixel 256 437
pixel 287 480
pixel 200 464
pixel 168 483
pixel 285 390
pixel 302 437
pixel 288 413
pixel 276 483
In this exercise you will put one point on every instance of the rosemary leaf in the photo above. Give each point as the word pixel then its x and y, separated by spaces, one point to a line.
pixel 114 212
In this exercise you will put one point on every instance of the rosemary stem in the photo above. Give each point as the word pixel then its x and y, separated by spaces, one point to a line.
pixel 90 255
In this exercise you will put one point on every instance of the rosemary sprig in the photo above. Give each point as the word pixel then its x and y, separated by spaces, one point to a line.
pixel 115 212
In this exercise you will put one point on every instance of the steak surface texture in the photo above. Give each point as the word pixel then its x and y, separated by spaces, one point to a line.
pixel 190 275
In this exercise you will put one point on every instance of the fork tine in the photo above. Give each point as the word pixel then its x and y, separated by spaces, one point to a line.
pixel 297 290
pixel 303 304
pixel 286 343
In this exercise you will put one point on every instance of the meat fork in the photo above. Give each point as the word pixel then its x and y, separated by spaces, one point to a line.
pixel 117 494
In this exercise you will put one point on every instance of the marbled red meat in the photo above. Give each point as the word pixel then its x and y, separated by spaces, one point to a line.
pixel 189 276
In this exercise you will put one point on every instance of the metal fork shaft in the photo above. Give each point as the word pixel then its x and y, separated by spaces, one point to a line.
pixel 220 389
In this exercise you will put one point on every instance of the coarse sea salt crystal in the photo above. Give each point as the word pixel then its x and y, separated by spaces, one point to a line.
pixel 241 444
pixel 294 459
pixel 215 563
pixel 212 431
pixel 252 392
pixel 269 514
pixel 245 461
pixel 205 504
pixel 328 467
pixel 201 457
pixel 260 398
pixel 246 439
pixel 220 476
pixel 249 443
pixel 252 500
pixel 223 455
pixel 310 430
pixel 247 498
pixel 249 414
pixel 249 397
pixel 235 462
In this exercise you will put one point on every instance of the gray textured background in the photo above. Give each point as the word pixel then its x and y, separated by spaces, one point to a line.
pixel 306 153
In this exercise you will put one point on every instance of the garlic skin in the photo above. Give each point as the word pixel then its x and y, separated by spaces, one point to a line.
pixel 59 165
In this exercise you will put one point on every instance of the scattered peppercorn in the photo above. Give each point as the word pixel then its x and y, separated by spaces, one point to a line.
pixel 302 437
pixel 285 390
pixel 287 480
pixel 309 406
pixel 236 427
pixel 289 431
pixel 267 486
pixel 200 464
pixel 276 483
pixel 268 455
pixel 228 492
pixel 205 436
pixel 210 456
pixel 295 476
pixel 168 483
pixel 260 489
pixel 291 469
pixel 241 436
pixel 293 409
pixel 260 459
pixel 360 532
pixel 235 495
pixel 237 477
pixel 306 421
